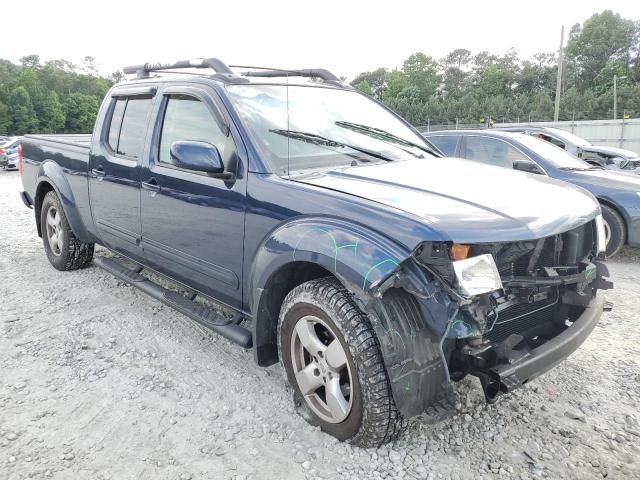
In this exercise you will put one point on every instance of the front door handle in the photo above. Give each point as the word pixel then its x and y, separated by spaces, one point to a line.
pixel 151 185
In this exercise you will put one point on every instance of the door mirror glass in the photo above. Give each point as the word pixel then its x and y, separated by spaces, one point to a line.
pixel 197 156
pixel 526 166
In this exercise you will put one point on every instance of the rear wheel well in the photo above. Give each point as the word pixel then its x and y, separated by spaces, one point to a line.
pixel 278 286
pixel 43 189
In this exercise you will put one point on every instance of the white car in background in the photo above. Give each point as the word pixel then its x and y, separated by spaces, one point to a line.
pixel 611 158
pixel 9 152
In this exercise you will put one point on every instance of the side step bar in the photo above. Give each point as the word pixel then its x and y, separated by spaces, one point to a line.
pixel 207 317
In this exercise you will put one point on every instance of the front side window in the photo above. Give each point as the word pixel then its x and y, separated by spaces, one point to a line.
pixel 298 128
pixel 557 157
pixel 188 119
pixel 491 151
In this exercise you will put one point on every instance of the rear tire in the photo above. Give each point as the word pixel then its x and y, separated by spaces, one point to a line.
pixel 324 313
pixel 615 230
pixel 64 250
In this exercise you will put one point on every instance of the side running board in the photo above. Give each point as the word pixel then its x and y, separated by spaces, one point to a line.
pixel 206 316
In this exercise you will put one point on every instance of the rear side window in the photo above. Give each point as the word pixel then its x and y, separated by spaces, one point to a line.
pixel 188 119
pixel 445 143
pixel 116 122
pixel 128 126
pixel 134 123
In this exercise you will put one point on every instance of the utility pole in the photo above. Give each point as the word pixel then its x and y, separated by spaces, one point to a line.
pixel 556 113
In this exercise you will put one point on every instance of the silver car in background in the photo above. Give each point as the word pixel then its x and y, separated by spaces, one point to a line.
pixel 611 158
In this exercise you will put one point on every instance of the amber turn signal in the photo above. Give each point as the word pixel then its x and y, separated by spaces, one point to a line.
pixel 459 252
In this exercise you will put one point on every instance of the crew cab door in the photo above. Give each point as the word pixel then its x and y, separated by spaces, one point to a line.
pixel 192 222
pixel 114 171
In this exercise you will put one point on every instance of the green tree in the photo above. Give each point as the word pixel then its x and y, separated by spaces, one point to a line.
pixel 422 74
pixel 21 112
pixel 30 61
pixel 457 69
pixel 375 79
pixel 81 111
pixel 604 37
pixel 365 88
pixel 52 115
pixel 5 120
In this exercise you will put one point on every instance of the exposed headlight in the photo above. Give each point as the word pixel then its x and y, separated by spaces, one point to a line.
pixel 601 235
pixel 477 275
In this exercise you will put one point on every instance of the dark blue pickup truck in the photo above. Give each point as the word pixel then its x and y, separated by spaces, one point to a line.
pixel 340 243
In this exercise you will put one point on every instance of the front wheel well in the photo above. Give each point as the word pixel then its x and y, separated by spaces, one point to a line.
pixel 281 282
pixel 41 191
pixel 617 210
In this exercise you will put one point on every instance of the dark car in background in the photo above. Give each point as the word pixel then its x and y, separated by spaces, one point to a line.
pixel 9 152
pixel 612 158
pixel 617 192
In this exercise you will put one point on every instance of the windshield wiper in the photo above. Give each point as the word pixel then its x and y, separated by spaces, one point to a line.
pixel 327 142
pixel 385 136
pixel 581 169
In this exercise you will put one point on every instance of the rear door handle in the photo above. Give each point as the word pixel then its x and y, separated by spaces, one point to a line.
pixel 98 172
pixel 151 185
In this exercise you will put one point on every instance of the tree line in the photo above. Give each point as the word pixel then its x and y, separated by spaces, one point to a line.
pixel 471 88
pixel 463 87
pixel 54 97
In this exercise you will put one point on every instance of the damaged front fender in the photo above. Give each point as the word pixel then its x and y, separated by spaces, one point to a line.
pixel 417 323
pixel 411 312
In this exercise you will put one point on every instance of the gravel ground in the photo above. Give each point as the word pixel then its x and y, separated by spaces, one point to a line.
pixel 99 381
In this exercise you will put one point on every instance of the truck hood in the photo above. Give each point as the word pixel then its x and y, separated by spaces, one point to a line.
pixel 620 152
pixel 465 201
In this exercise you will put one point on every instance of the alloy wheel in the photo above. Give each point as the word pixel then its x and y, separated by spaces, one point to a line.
pixel 321 369
pixel 54 231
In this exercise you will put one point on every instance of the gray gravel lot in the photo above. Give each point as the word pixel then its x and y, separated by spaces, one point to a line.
pixel 99 381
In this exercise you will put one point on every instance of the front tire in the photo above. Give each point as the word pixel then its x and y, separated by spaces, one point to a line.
pixel 332 359
pixel 64 250
pixel 614 229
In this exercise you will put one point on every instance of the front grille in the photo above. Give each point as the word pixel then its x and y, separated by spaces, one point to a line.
pixel 515 260
pixel 524 316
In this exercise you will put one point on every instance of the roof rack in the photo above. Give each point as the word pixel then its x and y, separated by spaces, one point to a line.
pixel 278 72
pixel 215 64
pixel 219 67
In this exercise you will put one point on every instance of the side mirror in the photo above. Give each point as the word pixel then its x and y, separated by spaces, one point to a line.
pixel 197 156
pixel 526 166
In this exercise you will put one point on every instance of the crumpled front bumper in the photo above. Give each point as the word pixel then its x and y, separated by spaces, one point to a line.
pixel 516 370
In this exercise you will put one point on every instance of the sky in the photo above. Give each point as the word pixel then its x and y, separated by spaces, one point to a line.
pixel 346 37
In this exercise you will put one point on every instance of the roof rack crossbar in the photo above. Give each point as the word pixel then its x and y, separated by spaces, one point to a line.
pixel 275 72
pixel 215 64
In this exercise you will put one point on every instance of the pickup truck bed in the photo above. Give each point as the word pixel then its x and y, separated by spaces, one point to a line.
pixel 82 140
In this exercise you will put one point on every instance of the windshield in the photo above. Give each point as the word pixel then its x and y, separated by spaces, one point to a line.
pixel 569 137
pixel 300 128
pixel 558 157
